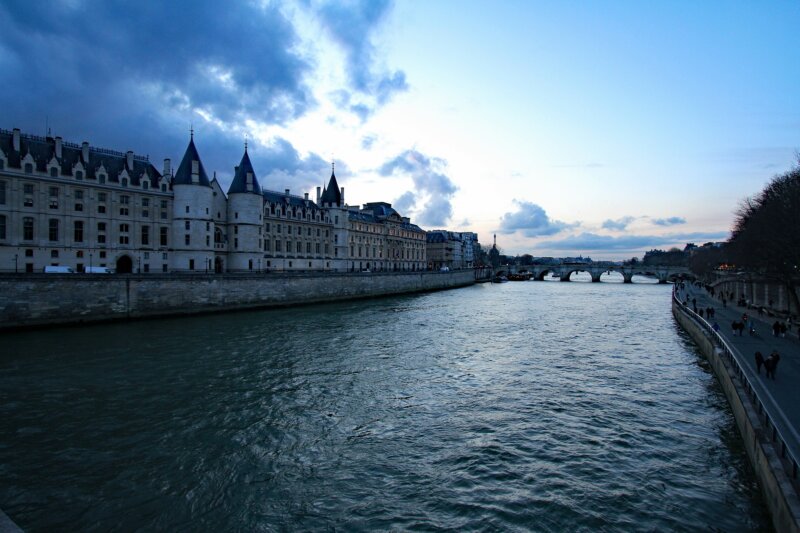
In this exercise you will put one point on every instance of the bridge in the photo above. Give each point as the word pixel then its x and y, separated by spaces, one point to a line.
pixel 564 270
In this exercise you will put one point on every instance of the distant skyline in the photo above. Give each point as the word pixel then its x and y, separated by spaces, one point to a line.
pixel 601 129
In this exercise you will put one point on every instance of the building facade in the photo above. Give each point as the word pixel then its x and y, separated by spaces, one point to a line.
pixel 64 204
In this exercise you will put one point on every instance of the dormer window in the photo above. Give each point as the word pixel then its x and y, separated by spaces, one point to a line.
pixel 101 178
pixel 79 175
pixel 28 168
pixel 145 184
pixel 124 182
pixel 53 172
pixel 163 187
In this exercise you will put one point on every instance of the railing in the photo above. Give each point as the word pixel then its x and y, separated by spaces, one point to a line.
pixel 772 431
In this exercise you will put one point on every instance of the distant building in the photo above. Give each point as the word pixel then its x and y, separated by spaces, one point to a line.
pixel 64 204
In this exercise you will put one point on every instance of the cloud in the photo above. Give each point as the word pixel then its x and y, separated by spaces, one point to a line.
pixel 464 223
pixel 135 75
pixel 619 224
pixel 532 221
pixel 671 221
pixel 429 181
pixel 405 202
pixel 352 26
pixel 284 167
pixel 595 242
pixel 367 141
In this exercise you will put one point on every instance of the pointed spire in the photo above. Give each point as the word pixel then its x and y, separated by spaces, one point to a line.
pixel 191 165
pixel 244 179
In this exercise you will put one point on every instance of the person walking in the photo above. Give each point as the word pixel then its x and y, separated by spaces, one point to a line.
pixel 771 364
pixel 759 362
pixel 776 328
pixel 783 329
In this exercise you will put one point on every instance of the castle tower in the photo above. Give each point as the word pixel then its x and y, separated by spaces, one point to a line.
pixel 245 219
pixel 332 201
pixel 192 223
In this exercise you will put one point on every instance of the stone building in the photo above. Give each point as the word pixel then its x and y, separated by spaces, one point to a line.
pixel 451 249
pixel 64 204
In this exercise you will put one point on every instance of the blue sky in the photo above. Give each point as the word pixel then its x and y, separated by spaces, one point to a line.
pixel 594 128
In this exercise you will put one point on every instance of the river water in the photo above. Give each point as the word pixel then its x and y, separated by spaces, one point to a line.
pixel 524 406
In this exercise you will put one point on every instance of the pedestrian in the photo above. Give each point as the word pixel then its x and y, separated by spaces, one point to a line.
pixel 752 329
pixel 771 364
pixel 716 327
pixel 760 310
pixel 734 327
pixel 782 329
pixel 724 302
pixel 694 302
pixel 776 328
pixel 700 312
pixel 759 362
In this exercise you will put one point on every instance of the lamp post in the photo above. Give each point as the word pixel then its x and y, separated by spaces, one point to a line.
pixel 16 257
pixel 139 265
pixel 90 261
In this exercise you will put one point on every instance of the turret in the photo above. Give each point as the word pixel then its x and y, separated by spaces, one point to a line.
pixel 245 208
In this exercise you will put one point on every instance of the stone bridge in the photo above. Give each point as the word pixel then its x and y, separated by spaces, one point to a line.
pixel 565 270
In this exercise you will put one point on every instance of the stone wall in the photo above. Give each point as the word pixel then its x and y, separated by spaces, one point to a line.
pixel 46 299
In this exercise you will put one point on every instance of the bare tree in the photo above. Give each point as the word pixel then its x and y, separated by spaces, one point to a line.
pixel 766 232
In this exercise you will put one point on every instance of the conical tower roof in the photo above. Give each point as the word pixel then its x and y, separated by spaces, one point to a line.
pixel 183 176
pixel 332 194
pixel 244 180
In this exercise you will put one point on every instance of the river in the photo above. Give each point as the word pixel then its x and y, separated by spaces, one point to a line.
pixel 523 406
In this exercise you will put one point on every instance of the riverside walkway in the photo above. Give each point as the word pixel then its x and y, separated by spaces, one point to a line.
pixel 781 396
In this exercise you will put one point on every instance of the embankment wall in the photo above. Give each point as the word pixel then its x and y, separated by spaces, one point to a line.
pixel 50 299
pixel 778 492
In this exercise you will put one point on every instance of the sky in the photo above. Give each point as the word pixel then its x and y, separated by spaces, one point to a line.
pixel 601 129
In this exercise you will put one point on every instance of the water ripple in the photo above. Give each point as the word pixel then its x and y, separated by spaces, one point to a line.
pixel 525 406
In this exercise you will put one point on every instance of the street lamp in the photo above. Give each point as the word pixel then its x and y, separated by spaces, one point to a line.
pixel 90 261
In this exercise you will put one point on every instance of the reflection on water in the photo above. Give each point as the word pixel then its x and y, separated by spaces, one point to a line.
pixel 545 406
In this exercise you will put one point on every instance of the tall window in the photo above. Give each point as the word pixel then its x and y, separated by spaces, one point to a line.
pixel 2 192
pixel 145 235
pixel 164 236
pixel 27 228
pixel 2 226
pixel 101 232
pixel 124 238
pixel 29 192
pixel 53 234
pixel 28 168
pixel 78 233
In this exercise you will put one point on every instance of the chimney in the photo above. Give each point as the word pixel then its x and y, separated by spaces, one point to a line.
pixel 167 168
pixel 306 196
pixel 58 147
pixel 85 151
pixel 129 159
pixel 287 192
pixel 343 202
pixel 319 189
pixel 16 140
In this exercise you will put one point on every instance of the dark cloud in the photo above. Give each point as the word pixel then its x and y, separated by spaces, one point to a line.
pixel 619 224
pixel 135 75
pixel 671 221
pixel 532 221
pixel 284 168
pixel 429 181
pixel 352 25
pixel 595 242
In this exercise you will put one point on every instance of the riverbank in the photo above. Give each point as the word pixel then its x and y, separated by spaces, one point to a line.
pixel 766 448
pixel 36 300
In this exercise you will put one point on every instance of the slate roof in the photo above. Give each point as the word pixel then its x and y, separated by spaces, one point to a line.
pixel 294 200
pixel 184 174
pixel 42 149
pixel 332 194
pixel 441 236
pixel 239 183
pixel 381 209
